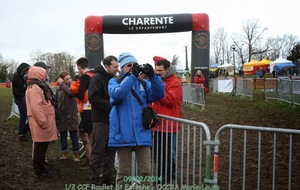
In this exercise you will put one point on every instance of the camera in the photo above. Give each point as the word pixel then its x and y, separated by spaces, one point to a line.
pixel 144 68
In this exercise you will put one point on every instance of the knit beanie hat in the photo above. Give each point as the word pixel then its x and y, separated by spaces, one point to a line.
pixel 125 58
pixel 157 58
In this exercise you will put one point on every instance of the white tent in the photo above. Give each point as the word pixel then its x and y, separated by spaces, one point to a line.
pixel 280 60
pixel 228 67
pixel 225 65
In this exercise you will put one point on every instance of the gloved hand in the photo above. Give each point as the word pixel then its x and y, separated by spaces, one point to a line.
pixel 149 71
pixel 136 70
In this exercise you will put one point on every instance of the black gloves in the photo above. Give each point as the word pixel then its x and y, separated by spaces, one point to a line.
pixel 148 70
pixel 136 70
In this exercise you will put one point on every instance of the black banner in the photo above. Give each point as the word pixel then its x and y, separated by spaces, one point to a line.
pixel 94 50
pixel 200 54
pixel 137 24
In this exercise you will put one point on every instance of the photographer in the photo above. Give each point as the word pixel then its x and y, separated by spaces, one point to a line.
pixel 126 127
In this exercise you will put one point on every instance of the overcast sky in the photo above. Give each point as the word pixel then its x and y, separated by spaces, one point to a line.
pixel 58 25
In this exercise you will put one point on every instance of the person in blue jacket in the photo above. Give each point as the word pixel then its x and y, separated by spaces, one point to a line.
pixel 127 133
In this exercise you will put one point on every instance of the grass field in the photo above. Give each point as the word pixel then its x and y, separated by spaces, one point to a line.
pixel 15 158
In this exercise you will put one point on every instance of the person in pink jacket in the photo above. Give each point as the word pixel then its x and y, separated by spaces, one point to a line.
pixel 41 117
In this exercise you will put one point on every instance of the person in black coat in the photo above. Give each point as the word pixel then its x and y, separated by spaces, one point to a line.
pixel 102 157
pixel 19 88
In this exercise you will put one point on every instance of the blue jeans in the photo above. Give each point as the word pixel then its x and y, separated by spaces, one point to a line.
pixel 22 127
pixel 64 141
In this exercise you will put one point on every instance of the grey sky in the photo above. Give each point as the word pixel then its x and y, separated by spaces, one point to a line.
pixel 58 25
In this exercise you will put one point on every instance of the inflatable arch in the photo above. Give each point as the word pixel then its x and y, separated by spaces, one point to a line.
pixel 198 23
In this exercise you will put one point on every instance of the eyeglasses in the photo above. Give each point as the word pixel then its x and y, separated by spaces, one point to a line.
pixel 129 65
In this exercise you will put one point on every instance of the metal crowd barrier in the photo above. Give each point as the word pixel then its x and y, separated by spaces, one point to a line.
pixel 194 94
pixel 271 89
pixel 213 85
pixel 284 90
pixel 223 85
pixel 244 87
pixel 190 157
pixel 193 148
pixel 280 89
pixel 295 88
pixel 268 146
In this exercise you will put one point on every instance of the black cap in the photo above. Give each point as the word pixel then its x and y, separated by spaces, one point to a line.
pixel 42 64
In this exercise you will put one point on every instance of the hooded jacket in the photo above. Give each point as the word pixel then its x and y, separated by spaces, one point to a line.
pixel 40 110
pixel 18 82
pixel 171 103
pixel 98 95
pixel 66 109
pixel 126 128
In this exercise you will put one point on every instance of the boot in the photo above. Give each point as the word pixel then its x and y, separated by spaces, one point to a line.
pixel 64 156
pixel 22 138
pixel 76 157
pixel 85 165
pixel 46 162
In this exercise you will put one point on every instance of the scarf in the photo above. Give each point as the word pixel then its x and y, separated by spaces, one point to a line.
pixel 48 93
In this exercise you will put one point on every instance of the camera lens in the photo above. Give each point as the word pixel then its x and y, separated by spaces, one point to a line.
pixel 144 68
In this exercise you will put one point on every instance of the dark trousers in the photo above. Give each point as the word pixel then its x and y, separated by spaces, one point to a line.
pixel 86 123
pixel 23 128
pixel 64 141
pixel 40 149
pixel 102 157
pixel 164 154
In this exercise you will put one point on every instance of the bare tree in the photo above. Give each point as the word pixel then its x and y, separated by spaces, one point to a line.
pixel 250 44
pixel 274 47
pixel 12 66
pixel 229 55
pixel 288 42
pixel 219 45
pixel 250 39
pixel 278 47
pixel 240 48
pixel 3 72
pixel 8 68
pixel 36 56
pixel 59 62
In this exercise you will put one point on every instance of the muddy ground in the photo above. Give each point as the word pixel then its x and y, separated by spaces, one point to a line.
pixel 16 166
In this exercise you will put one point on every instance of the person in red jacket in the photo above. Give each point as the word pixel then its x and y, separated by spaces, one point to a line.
pixel 165 133
pixel 199 78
